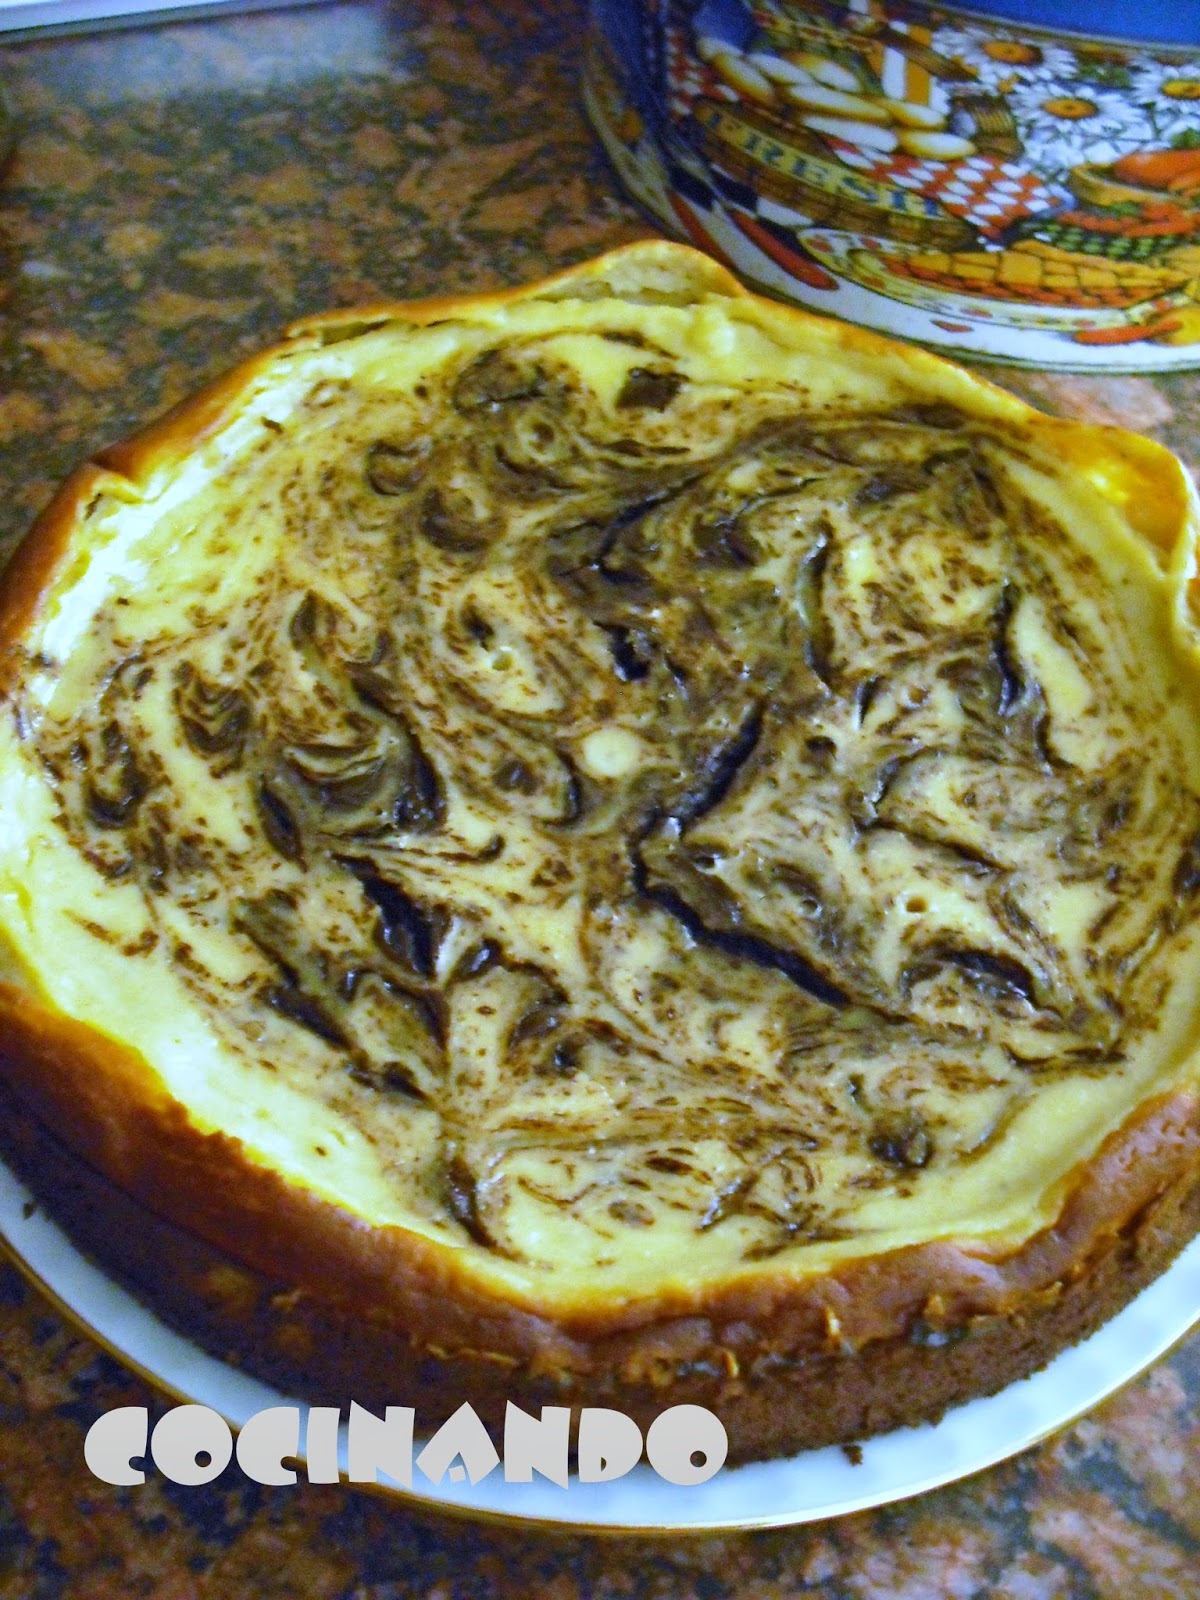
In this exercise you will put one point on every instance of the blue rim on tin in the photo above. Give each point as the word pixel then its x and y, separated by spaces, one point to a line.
pixel 937 172
pixel 1177 24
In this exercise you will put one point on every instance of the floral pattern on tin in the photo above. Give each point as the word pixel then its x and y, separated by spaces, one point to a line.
pixel 970 169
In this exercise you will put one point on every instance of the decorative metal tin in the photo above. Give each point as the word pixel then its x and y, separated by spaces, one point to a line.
pixel 973 182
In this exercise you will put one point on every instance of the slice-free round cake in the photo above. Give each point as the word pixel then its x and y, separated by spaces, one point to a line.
pixel 612 843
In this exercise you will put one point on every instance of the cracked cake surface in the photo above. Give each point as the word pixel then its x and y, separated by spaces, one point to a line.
pixel 633 802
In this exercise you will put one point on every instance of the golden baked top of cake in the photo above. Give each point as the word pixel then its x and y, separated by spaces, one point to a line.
pixel 637 788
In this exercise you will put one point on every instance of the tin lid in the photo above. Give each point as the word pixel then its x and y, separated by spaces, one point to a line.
pixel 1174 22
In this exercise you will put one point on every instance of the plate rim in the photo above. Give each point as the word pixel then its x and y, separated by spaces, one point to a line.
pixel 20 1206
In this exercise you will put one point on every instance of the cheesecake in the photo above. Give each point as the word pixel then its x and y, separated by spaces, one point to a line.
pixel 611 843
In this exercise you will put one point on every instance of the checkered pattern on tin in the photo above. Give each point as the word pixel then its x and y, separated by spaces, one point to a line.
pixel 688 76
pixel 987 191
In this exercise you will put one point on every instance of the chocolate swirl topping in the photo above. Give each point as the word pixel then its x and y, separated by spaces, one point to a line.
pixel 668 804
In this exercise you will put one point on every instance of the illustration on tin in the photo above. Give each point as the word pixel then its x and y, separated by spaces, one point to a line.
pixel 996 187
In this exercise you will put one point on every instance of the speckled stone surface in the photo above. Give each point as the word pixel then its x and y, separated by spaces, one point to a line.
pixel 179 194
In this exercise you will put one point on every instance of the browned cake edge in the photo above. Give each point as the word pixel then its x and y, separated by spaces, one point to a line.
pixel 298 1292
pixel 310 1296
pixel 1146 479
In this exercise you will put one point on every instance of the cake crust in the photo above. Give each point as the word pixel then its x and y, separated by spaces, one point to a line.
pixel 306 1292
pixel 924 1331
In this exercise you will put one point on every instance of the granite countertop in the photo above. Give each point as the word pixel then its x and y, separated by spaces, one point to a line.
pixel 179 194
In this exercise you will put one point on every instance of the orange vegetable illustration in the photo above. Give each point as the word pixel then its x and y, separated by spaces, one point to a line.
pixel 1159 169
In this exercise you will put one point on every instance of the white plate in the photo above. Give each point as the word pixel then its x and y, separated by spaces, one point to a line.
pixel 802 1488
